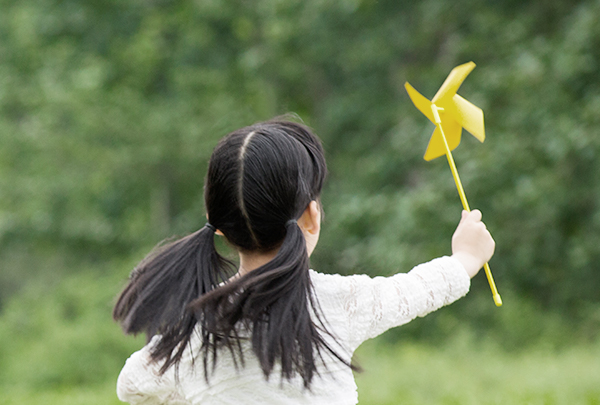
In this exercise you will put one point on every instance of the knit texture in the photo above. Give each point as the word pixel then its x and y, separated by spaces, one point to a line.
pixel 356 308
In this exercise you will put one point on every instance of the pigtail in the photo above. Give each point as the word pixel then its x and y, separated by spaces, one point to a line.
pixel 274 302
pixel 163 285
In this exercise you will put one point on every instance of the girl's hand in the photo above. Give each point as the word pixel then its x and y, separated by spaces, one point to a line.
pixel 472 244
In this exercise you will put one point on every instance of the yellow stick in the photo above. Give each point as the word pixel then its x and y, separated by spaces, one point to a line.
pixel 463 198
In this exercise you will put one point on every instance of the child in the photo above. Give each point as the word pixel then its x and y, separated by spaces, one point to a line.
pixel 270 331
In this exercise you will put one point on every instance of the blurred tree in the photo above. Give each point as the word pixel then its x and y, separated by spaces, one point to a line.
pixel 110 109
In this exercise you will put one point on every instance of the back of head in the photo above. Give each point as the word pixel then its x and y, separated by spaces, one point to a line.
pixel 260 177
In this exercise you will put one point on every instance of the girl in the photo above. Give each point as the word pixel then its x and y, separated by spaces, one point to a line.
pixel 270 331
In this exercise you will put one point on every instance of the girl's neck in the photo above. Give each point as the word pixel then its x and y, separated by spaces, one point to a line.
pixel 251 261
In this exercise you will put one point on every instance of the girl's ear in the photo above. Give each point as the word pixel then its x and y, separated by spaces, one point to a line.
pixel 310 221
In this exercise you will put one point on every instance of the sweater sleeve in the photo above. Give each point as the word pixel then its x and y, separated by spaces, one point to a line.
pixel 365 307
pixel 140 382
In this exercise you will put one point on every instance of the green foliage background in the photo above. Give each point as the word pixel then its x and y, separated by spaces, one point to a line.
pixel 109 111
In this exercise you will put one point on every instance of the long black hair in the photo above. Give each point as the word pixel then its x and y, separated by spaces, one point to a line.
pixel 260 180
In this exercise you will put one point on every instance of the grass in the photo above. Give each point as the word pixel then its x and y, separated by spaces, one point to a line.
pixel 463 372
pixel 458 372
pixel 103 394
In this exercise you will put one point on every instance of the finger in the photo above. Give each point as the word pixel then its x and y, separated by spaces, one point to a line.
pixel 475 215
pixel 464 215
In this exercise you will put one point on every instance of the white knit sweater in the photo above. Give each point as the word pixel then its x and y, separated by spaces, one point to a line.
pixel 356 308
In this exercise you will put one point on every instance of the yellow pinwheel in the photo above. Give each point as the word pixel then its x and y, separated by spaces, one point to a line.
pixel 455 112
pixel 451 113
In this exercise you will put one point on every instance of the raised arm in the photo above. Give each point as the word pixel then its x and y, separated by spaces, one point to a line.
pixel 363 307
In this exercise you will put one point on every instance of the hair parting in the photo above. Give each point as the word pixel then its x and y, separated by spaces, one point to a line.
pixel 241 185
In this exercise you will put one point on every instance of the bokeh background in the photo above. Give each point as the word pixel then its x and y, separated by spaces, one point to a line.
pixel 109 110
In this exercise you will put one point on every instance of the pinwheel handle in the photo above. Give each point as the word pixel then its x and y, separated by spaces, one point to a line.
pixel 488 273
pixel 463 198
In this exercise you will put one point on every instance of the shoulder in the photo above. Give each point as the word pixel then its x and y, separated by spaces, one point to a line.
pixel 141 381
pixel 331 288
pixel 331 283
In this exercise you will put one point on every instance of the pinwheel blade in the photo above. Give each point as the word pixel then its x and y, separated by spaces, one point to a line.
pixel 468 115
pixel 436 147
pixel 452 83
pixel 420 101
